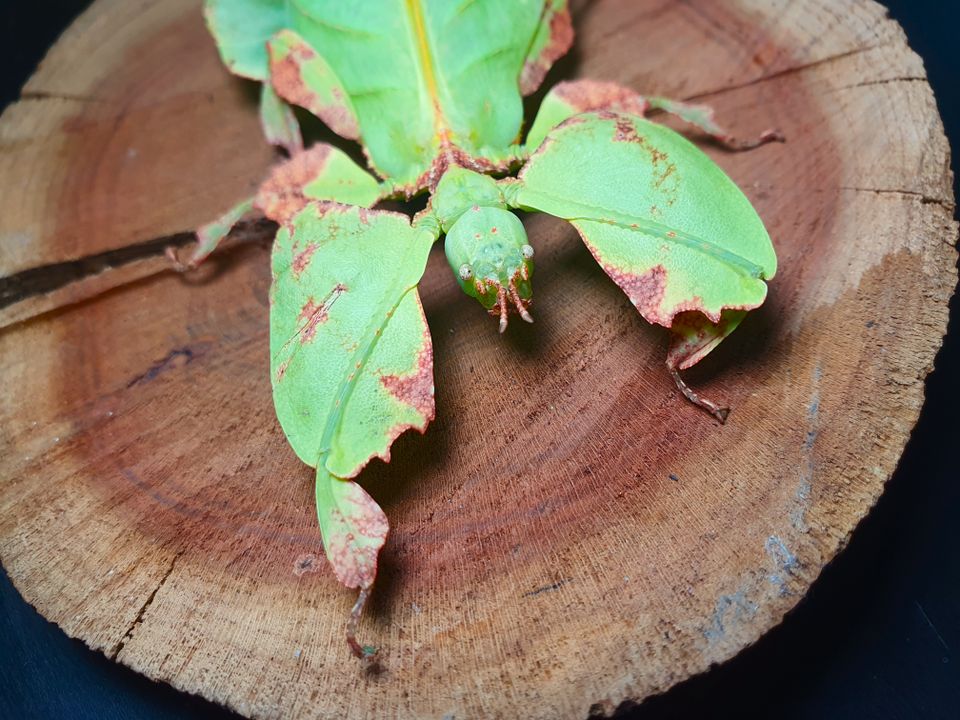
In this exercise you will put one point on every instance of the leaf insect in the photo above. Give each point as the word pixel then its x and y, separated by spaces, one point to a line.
pixel 433 90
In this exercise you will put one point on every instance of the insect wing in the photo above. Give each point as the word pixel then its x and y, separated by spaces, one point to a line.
pixel 661 218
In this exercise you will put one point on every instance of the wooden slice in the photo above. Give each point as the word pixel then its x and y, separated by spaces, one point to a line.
pixel 570 534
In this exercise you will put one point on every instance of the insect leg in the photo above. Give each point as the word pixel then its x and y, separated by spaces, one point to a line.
pixel 693 338
pixel 518 302
pixel 720 413
pixel 703 117
pixel 278 122
pixel 367 653
pixel 567 99
pixel 321 173
pixel 210 236
pixel 502 306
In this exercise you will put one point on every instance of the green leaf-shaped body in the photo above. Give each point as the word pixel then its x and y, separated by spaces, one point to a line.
pixel 351 361
pixel 424 84
pixel 432 89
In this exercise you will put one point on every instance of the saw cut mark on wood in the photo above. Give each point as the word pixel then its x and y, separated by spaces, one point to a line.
pixel 150 507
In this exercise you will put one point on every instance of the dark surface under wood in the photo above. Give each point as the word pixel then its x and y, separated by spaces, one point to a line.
pixel 897 520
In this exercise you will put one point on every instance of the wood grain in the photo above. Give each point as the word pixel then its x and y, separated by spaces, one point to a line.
pixel 569 535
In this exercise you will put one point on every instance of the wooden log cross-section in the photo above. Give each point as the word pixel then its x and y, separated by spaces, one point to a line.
pixel 570 534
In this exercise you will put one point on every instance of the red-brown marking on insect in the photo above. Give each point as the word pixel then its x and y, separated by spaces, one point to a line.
pixel 493 230
pixel 314 314
pixel 671 234
pixel 354 566
pixel 451 155
pixel 694 304
pixel 339 118
pixel 625 131
pixel 287 79
pixel 671 168
pixel 696 331
pixel 561 38
pixel 415 389
pixel 587 95
pixel 280 197
pixel 282 369
pixel 365 516
pixel 302 259
pixel 645 291
pixel 358 514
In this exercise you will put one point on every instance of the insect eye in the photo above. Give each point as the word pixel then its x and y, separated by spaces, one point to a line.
pixel 466 272
pixel 527 251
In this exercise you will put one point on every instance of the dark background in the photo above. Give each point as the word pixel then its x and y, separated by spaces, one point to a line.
pixel 876 637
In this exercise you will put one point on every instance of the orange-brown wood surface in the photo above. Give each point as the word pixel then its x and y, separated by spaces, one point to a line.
pixel 570 534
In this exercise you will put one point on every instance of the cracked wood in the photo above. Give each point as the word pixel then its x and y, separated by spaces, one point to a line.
pixel 125 465
pixel 113 654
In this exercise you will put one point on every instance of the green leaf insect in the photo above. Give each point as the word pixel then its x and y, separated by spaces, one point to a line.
pixel 433 89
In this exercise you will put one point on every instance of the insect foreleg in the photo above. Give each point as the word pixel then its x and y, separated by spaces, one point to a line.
pixel 571 98
pixel 210 236
pixel 703 117
pixel 322 174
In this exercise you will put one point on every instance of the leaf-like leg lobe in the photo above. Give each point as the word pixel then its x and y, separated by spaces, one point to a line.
pixel 554 37
pixel 351 364
pixel 278 122
pixel 210 236
pixel 354 528
pixel 691 254
pixel 302 77
pixel 322 173
pixel 693 337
